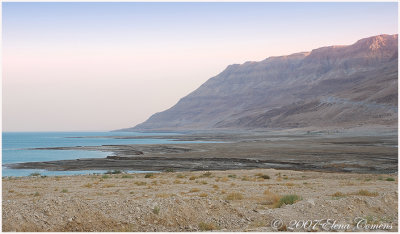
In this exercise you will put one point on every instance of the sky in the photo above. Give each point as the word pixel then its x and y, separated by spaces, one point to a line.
pixel 103 66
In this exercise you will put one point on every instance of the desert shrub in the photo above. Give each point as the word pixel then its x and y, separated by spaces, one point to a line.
pixel 390 179
pixel 364 192
pixel 207 174
pixel 140 183
pixel 36 194
pixel 192 178
pixel 232 176
pixel 35 174
pixel 156 210
pixel 64 191
pixel 270 198
pixel 194 190
pixel 234 196
pixel 288 200
pixel 149 175
pixel 113 172
pixel 338 194
pixel 88 185
pixel 180 176
pixel 265 177
pixel 106 177
pixel 169 170
pixel 127 176
pixel 203 195
pixel 206 226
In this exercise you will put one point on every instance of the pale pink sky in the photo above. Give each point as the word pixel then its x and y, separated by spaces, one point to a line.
pixel 72 68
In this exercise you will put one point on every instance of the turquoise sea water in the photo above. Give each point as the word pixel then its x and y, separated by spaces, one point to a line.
pixel 17 146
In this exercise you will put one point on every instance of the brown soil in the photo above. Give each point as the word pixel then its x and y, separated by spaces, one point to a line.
pixel 237 200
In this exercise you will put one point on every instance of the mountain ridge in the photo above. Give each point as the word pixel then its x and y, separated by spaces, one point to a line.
pixel 291 91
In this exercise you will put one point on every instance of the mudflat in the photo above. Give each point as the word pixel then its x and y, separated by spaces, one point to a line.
pixel 320 151
pixel 235 200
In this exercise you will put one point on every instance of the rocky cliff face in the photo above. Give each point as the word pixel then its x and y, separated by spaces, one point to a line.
pixel 330 86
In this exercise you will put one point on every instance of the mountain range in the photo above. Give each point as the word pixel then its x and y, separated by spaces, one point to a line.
pixel 334 86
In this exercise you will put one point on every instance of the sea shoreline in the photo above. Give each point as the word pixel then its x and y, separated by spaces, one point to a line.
pixel 330 152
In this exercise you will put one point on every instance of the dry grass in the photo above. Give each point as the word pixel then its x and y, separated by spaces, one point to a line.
pixel 234 196
pixel 338 194
pixel 88 185
pixel 203 195
pixel 364 192
pixel 192 178
pixel 194 190
pixel 270 198
pixel 206 226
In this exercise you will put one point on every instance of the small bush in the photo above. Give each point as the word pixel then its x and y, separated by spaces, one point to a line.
pixel 265 177
pixel 106 177
pixel 270 198
pixel 140 183
pixel 192 178
pixel 215 186
pixel 390 179
pixel 338 194
pixel 127 176
pixel 88 185
pixel 203 195
pixel 156 210
pixel 35 174
pixel 194 190
pixel 207 174
pixel 206 226
pixel 64 191
pixel 169 170
pixel 149 175
pixel 234 196
pixel 36 194
pixel 180 176
pixel 364 192
pixel 288 200
pixel 232 176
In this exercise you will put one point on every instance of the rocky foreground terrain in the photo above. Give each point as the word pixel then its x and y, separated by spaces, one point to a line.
pixel 342 86
pixel 237 200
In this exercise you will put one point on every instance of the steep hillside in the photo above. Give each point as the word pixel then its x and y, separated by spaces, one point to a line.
pixel 330 86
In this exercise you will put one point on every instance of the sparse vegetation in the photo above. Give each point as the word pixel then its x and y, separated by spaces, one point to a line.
pixel 194 190
pixel 270 198
pixel 106 177
pixel 140 183
pixel 180 176
pixel 338 195
pixel 35 174
pixel 390 179
pixel 127 176
pixel 64 191
pixel 203 195
pixel 207 174
pixel 288 200
pixel 206 226
pixel 149 175
pixel 88 185
pixel 169 170
pixel 232 176
pixel 265 177
pixel 156 210
pixel 192 178
pixel 364 192
pixel 234 196
pixel 36 194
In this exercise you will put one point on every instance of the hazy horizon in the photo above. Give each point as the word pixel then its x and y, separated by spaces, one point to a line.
pixel 105 66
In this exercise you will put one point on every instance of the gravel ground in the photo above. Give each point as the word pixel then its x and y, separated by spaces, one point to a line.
pixel 235 200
